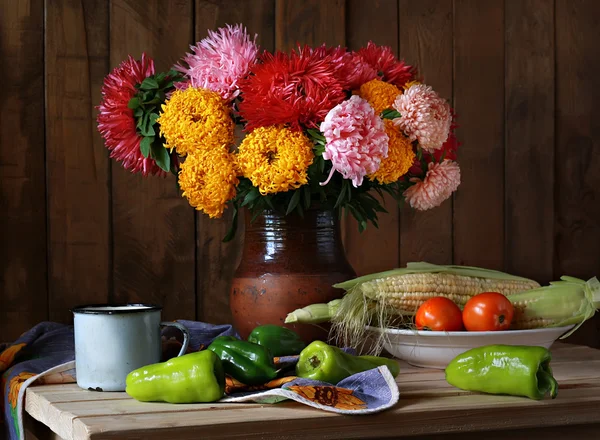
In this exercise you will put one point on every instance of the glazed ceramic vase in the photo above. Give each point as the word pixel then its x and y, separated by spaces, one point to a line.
pixel 288 262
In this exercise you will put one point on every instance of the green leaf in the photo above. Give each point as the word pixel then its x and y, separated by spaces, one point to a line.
pixel 145 145
pixel 340 198
pixel 319 149
pixel 134 103
pixel 149 84
pixel 419 153
pixel 306 196
pixel 300 210
pixel 293 202
pixel 390 113
pixel 316 134
pixel 161 156
pixel 269 202
pixel 251 196
pixel 142 121
pixel 138 113
pixel 234 222
pixel 147 128
pixel 321 164
pixel 153 118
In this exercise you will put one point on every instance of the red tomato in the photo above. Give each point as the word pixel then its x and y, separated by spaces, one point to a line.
pixel 439 314
pixel 488 311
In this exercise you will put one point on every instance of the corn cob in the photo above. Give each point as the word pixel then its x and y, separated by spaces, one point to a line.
pixel 565 302
pixel 405 289
pixel 314 313
pixel 407 292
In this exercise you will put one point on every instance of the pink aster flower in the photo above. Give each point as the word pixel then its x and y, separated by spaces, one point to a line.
pixel 441 180
pixel 219 61
pixel 425 116
pixel 356 140
pixel 115 120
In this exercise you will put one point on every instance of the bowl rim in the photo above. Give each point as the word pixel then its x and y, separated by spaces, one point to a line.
pixel 468 334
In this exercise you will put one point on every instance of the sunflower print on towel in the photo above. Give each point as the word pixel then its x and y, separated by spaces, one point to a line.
pixel 341 398
pixel 8 356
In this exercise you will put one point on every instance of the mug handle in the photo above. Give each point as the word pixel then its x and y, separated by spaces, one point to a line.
pixel 186 335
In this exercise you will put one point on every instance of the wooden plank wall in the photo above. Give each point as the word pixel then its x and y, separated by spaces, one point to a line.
pixel 523 76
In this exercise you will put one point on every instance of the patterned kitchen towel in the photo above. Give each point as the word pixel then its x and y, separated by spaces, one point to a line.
pixel 363 393
pixel 45 355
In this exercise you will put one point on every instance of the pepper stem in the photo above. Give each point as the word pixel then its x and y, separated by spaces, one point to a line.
pixel 314 361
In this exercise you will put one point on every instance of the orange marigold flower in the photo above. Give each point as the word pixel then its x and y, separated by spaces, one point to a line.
pixel 194 119
pixel 399 159
pixel 208 180
pixel 275 158
pixel 380 94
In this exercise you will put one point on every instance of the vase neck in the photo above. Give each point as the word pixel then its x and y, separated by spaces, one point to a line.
pixel 312 241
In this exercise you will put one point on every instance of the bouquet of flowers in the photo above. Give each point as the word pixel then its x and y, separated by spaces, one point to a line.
pixel 318 126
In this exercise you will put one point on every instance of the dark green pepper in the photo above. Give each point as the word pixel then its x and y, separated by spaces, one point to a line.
pixel 516 370
pixel 191 378
pixel 251 364
pixel 320 361
pixel 281 341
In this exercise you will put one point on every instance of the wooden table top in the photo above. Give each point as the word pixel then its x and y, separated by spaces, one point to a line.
pixel 428 407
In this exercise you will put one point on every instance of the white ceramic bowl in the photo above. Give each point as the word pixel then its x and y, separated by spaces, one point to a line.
pixel 436 349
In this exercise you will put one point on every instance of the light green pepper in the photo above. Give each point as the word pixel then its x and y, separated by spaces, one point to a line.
pixel 191 378
pixel 516 370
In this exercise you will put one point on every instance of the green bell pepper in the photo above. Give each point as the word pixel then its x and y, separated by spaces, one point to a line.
pixel 504 369
pixel 251 364
pixel 320 361
pixel 191 378
pixel 281 341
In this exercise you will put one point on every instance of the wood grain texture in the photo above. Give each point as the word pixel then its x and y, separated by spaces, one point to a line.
pixel 577 191
pixel 77 165
pixel 216 261
pixel 23 265
pixel 479 103
pixel 529 146
pixel 312 22
pixel 428 408
pixel 426 41
pixel 375 249
pixel 153 226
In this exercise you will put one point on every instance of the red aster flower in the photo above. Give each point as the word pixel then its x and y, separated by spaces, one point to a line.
pixel 296 89
pixel 382 58
pixel 116 122
pixel 350 69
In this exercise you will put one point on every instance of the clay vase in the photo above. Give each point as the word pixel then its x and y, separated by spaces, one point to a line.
pixel 288 262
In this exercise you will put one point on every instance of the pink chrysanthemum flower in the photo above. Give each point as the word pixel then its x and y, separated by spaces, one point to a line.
pixel 115 120
pixel 219 61
pixel 356 140
pixel 441 180
pixel 425 116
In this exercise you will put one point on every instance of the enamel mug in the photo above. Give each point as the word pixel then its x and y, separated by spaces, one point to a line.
pixel 113 340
